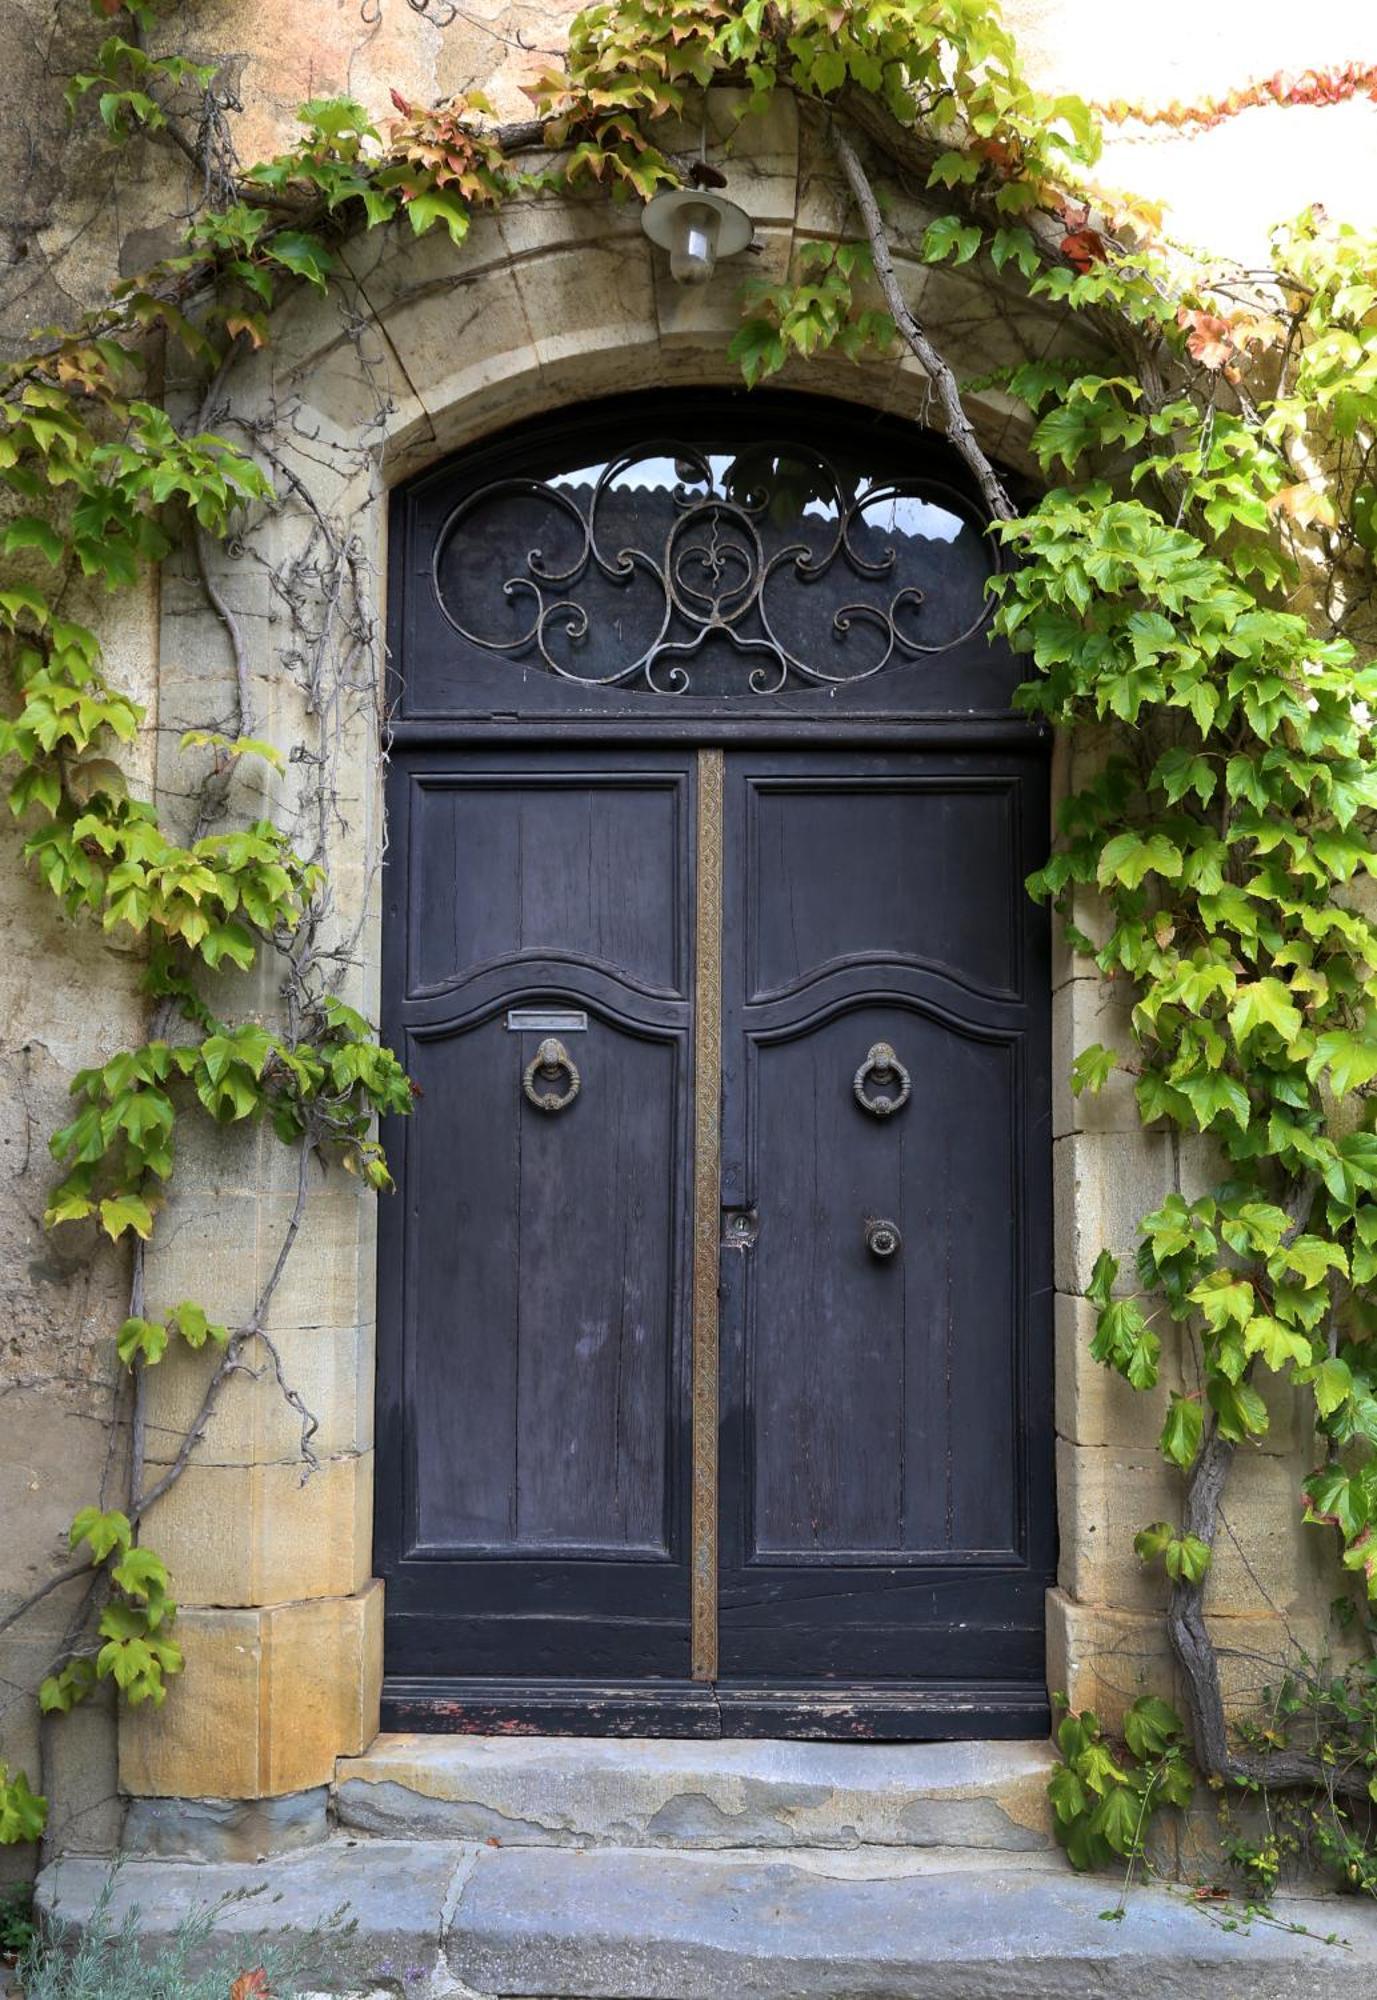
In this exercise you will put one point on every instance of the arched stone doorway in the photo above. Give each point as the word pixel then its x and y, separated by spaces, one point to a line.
pixel 550 304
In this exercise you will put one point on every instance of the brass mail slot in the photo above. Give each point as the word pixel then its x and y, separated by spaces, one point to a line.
pixel 546 1021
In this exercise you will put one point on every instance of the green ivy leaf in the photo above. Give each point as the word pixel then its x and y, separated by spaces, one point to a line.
pixel 425 210
pixel 1265 1004
pixel 1224 1300
pixel 1239 1408
pixel 1212 1095
pixel 103 1533
pixel 1129 858
pixel 1332 1385
pixel 1092 1069
pixel 1182 1430
pixel 1102 1279
pixel 1181 771
pixel 1017 246
pixel 304 255
pixel 1185 1557
pixel 955 170
pixel 1151 1727
pixel 1276 1344
pixel 145 1337
pixel 122 1212
pixel 141 1574
pixel 1068 1795
pixel 23 1814
pixel 1124 1341
pixel 60 1693
pixel 195 1328
pixel 1311 1257
pixel 950 237
pixel 30 531
pixel 1117 1819
pixel 1351 1060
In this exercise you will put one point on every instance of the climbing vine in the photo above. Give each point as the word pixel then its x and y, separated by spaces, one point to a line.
pixel 1192 590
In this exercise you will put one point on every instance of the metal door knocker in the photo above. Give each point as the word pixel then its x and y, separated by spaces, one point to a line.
pixel 549 1059
pixel 882 1067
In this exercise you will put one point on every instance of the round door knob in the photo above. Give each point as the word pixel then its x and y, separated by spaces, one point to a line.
pixel 882 1238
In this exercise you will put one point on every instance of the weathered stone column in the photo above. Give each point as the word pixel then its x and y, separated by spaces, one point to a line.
pixel 281 1621
pixel 268 1531
pixel 1267 1595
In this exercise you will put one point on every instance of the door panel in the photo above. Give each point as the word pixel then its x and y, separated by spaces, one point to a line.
pixel 534 1519
pixel 878 1373
pixel 545 1258
pixel 844 874
pixel 886 1470
pixel 553 861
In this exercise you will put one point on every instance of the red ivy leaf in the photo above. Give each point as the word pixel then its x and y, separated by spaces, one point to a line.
pixel 1083 247
pixel 1210 340
pixel 251 1986
pixel 401 103
pixel 1004 155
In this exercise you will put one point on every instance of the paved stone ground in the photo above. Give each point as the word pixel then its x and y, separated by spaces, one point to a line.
pixel 484 1922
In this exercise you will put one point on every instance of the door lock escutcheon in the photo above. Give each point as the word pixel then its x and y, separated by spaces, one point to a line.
pixel 882 1237
pixel 740 1227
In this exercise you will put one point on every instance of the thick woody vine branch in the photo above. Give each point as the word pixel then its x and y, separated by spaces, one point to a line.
pixel 955 422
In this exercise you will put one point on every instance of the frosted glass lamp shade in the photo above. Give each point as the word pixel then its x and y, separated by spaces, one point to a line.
pixel 696 227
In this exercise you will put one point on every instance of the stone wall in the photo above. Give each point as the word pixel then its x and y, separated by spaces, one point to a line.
pixel 68 996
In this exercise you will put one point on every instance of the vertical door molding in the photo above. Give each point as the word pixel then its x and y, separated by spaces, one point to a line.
pixel 707 1208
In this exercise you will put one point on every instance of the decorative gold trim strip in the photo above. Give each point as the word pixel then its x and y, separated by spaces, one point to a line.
pixel 707 1212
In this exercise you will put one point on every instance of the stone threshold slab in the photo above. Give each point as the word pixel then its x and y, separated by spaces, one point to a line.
pixel 484 1923
pixel 653 1792
pixel 653 1926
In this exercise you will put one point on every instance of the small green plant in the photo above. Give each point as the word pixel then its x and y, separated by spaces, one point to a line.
pixel 1332 1713
pixel 16 1921
pixel 1104 1794
pixel 105 1960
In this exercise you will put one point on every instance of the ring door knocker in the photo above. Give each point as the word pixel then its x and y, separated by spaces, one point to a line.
pixel 882 1067
pixel 549 1059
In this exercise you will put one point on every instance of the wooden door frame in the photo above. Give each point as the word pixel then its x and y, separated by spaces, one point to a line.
pixel 968 688
pixel 701 1705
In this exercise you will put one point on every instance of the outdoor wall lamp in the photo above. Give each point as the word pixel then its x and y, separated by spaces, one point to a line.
pixel 697 226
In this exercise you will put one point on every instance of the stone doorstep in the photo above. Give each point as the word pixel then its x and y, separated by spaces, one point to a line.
pixel 655 1792
pixel 437 1918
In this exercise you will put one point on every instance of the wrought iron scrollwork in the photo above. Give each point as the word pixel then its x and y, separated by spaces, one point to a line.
pixel 752 552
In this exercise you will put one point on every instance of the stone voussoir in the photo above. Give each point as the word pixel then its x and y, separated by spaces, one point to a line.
pixel 577 1792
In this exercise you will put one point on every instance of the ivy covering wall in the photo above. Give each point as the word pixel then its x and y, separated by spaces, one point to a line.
pixel 1194 586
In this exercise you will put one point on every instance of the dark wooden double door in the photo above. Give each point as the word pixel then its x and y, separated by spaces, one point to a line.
pixel 717 1398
